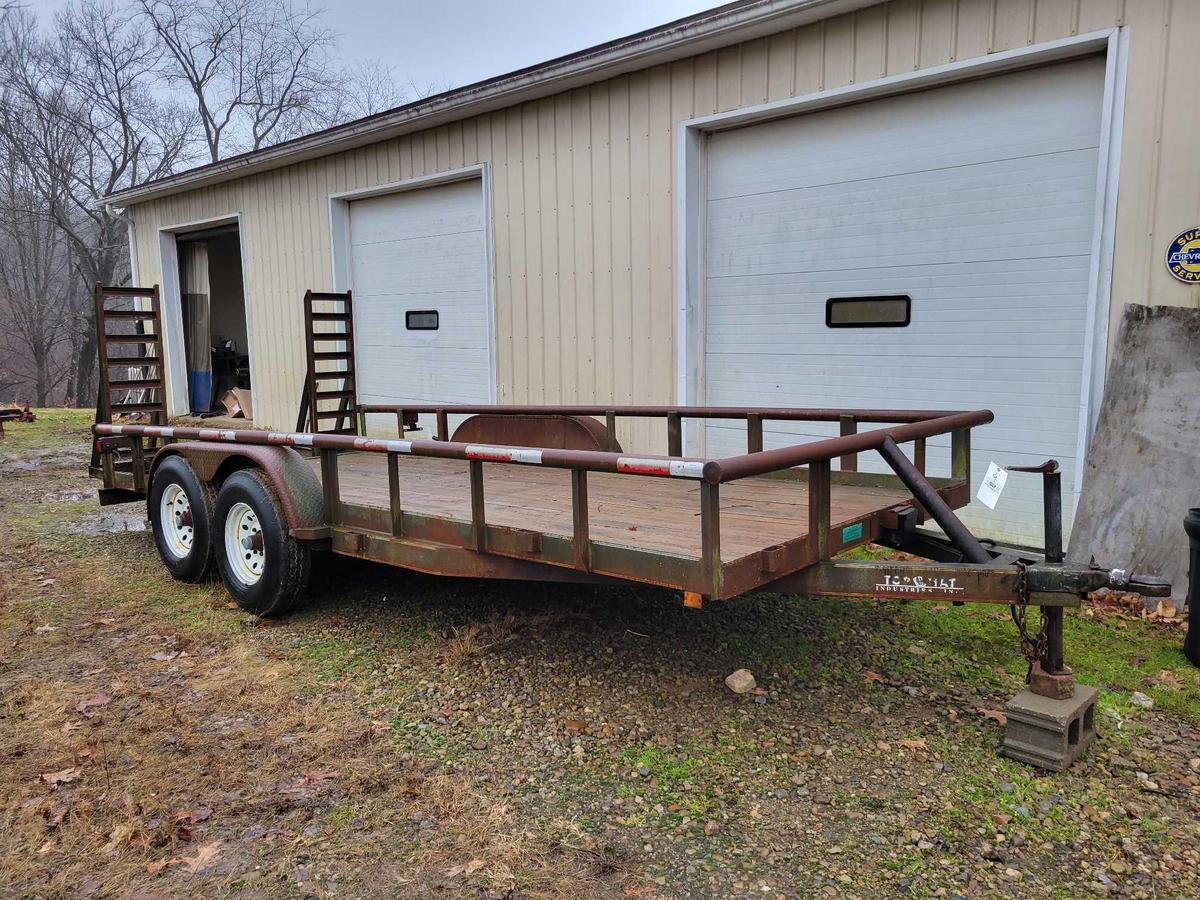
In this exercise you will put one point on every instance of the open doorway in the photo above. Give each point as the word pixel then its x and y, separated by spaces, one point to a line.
pixel 213 304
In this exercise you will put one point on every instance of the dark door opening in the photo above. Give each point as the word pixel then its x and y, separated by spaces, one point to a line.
pixel 215 339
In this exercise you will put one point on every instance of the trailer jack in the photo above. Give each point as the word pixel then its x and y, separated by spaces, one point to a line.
pixel 1052 721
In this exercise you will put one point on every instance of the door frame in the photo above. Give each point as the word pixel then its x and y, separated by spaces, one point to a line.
pixel 172 307
pixel 691 171
pixel 339 238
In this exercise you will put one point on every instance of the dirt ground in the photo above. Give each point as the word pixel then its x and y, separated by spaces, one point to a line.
pixel 408 736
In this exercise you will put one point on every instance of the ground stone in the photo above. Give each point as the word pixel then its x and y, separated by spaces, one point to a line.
pixel 741 681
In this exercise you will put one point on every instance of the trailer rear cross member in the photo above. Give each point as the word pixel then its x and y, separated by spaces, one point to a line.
pixel 254 504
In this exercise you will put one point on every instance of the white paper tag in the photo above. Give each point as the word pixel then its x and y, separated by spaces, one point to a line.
pixel 991 486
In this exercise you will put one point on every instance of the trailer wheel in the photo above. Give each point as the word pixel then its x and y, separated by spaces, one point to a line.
pixel 180 509
pixel 262 565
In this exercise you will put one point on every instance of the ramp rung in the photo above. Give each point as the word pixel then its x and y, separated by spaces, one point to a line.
pixel 131 385
pixel 130 314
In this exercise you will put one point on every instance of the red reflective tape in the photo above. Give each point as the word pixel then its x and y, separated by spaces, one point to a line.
pixel 504 454
pixel 644 466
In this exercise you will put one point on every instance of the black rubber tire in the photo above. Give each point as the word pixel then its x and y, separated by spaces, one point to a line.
pixel 288 562
pixel 198 565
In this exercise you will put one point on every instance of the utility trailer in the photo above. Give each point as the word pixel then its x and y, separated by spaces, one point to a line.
pixel 258 503
pixel 547 494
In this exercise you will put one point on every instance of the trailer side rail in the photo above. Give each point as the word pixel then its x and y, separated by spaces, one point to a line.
pixel 710 577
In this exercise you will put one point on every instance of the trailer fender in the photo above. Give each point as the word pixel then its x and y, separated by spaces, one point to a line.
pixel 295 483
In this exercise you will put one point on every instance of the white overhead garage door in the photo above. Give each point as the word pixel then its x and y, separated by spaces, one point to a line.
pixel 421 316
pixel 977 201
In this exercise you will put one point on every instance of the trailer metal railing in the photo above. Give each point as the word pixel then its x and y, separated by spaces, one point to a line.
pixel 818 544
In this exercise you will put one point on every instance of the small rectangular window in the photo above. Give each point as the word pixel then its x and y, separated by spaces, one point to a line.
pixel 868 312
pixel 421 320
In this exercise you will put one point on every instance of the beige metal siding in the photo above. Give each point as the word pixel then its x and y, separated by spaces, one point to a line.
pixel 582 189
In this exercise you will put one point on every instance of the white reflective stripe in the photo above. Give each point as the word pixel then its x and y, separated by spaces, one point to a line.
pixel 228 435
pixel 376 444
pixel 532 457
pixel 166 432
pixel 504 454
pixel 113 429
pixel 681 469
pixel 302 440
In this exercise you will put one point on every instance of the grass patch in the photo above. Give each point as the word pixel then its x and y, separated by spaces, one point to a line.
pixel 1117 656
pixel 54 429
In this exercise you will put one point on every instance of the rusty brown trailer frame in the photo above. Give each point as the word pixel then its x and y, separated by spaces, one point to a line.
pixel 962 569
pixel 363 531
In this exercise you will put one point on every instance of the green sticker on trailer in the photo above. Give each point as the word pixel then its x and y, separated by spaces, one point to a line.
pixel 852 532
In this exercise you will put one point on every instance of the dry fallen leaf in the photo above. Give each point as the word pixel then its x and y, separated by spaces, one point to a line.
pixel 995 715
pixel 63 776
pixel 913 744
pixel 869 676
pixel 574 726
pixel 322 775
pixel 1166 609
pixel 84 707
pixel 119 837
pixel 164 655
pixel 206 855
pixel 1168 679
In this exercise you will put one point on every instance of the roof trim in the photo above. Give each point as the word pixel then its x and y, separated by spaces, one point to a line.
pixel 730 24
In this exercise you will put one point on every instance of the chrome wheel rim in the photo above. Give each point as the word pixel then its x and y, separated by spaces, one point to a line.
pixel 244 547
pixel 175 516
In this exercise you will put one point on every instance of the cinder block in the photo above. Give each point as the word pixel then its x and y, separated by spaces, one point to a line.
pixel 1050 734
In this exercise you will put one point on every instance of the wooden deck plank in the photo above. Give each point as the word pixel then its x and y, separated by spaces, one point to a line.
pixel 653 514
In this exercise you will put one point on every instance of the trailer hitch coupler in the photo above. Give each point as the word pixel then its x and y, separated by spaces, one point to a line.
pixel 1191 644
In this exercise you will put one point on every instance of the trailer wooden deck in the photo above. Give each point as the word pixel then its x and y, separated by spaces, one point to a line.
pixel 712 529
pixel 645 514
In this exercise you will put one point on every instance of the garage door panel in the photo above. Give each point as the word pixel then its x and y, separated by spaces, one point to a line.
pixel 421 250
pixel 415 375
pixel 426 266
pixel 443 210
pixel 978 202
pixel 915 234
pixel 1016 116
pixel 946 193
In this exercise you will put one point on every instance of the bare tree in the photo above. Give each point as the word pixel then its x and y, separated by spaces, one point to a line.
pixel 120 92
pixel 35 284
pixel 367 88
pixel 258 71
pixel 77 113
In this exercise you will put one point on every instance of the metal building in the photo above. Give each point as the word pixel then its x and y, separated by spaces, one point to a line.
pixel 910 204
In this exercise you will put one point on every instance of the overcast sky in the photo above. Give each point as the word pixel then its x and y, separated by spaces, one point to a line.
pixel 456 42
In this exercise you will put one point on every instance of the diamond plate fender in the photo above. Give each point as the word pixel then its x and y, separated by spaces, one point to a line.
pixel 295 483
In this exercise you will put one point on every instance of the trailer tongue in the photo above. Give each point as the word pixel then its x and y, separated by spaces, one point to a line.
pixel 256 503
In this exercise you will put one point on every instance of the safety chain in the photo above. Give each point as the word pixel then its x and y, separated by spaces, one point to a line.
pixel 1032 648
